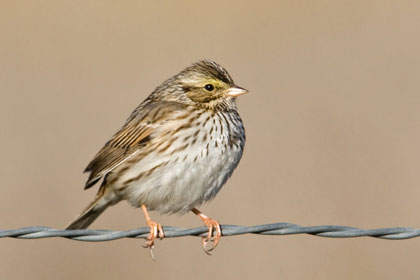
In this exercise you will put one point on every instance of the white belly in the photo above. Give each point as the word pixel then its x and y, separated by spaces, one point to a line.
pixel 185 179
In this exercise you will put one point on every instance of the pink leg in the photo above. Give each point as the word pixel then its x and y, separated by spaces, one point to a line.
pixel 155 231
pixel 212 225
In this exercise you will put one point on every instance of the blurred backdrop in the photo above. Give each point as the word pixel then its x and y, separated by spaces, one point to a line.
pixel 332 120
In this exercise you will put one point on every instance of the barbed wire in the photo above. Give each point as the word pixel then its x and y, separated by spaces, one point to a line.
pixel 95 235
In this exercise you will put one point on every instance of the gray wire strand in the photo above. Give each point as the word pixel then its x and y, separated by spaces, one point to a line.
pixel 94 235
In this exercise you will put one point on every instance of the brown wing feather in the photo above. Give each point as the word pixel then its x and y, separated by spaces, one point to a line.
pixel 132 137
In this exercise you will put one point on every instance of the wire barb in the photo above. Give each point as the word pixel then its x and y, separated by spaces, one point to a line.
pixel 94 235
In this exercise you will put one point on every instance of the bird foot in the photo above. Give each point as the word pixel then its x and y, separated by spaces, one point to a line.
pixel 156 231
pixel 212 225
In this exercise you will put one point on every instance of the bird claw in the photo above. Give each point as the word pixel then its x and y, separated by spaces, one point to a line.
pixel 212 225
pixel 156 231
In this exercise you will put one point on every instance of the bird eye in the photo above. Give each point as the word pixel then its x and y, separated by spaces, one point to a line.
pixel 209 87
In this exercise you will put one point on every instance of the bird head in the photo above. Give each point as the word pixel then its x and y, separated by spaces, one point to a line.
pixel 204 83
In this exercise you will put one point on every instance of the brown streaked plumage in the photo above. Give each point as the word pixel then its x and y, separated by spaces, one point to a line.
pixel 175 151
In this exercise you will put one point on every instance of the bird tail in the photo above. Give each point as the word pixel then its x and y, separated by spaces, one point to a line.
pixel 92 211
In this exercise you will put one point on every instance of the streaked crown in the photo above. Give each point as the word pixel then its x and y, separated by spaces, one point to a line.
pixel 204 82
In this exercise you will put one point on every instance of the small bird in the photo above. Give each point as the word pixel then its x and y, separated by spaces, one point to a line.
pixel 175 151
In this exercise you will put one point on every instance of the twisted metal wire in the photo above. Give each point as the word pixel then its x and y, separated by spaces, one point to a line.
pixel 94 235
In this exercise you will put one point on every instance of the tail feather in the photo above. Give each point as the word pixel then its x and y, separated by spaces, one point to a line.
pixel 94 209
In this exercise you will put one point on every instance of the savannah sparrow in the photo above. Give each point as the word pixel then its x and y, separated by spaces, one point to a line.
pixel 175 151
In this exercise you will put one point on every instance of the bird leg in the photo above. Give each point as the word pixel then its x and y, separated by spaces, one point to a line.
pixel 212 225
pixel 155 231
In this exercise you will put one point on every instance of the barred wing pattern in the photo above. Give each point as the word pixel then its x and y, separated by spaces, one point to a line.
pixel 137 132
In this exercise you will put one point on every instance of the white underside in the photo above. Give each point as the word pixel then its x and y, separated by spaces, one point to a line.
pixel 182 183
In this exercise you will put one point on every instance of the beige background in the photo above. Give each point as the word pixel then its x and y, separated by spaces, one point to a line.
pixel 333 129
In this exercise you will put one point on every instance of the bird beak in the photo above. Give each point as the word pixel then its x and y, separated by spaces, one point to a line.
pixel 235 91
